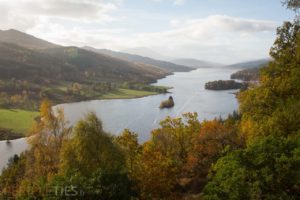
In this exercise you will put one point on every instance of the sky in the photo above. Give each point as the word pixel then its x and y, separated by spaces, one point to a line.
pixel 224 31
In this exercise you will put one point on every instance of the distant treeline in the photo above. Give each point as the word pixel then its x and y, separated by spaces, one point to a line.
pixel 246 74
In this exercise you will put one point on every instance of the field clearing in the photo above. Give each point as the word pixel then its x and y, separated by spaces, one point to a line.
pixel 17 120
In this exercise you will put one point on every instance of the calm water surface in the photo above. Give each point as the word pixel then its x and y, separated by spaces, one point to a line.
pixel 143 114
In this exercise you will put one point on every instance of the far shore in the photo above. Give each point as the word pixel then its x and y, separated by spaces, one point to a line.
pixel 10 119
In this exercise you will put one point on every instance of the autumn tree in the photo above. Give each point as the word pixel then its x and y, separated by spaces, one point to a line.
pixel 156 174
pixel 175 137
pixel 42 160
pixel 212 142
pixel 92 162
pixel 272 107
pixel 129 146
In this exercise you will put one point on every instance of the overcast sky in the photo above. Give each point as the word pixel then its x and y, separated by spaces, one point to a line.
pixel 225 31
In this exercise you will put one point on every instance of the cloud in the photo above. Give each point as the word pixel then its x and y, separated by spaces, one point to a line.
pixel 24 14
pixel 215 37
pixel 215 29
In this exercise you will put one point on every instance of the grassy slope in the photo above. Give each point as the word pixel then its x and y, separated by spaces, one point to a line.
pixel 16 120
pixel 127 94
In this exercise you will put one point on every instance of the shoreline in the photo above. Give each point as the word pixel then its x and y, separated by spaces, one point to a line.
pixel 11 134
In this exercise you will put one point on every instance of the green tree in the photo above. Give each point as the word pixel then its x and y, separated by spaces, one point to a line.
pixel 11 177
pixel 267 169
pixel 93 163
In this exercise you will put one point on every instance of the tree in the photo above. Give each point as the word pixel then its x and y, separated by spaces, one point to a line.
pixel 128 143
pixel 292 4
pixel 48 135
pixel 213 141
pixel 11 176
pixel 267 169
pixel 94 164
pixel 160 164
pixel 42 160
pixel 175 137
pixel 277 91
pixel 155 174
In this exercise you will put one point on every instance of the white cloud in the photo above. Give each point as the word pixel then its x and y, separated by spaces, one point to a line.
pixel 23 14
pixel 215 37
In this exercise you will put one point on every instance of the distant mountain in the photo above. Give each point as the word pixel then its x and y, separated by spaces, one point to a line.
pixel 171 67
pixel 24 56
pixel 70 64
pixel 250 64
pixel 25 40
pixel 146 52
pixel 195 63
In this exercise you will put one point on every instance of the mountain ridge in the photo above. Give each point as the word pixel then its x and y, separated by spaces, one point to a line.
pixel 250 64
pixel 23 39
pixel 169 66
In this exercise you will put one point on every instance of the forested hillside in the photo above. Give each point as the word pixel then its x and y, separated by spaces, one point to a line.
pixel 63 74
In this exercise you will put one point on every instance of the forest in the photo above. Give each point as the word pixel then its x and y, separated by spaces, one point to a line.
pixel 246 74
pixel 252 154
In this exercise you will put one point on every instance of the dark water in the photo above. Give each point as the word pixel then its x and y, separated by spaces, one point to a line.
pixel 143 114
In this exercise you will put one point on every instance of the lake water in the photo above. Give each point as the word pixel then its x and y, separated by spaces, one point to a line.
pixel 143 114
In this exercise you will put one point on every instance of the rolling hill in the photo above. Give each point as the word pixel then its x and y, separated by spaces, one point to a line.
pixel 70 64
pixel 171 67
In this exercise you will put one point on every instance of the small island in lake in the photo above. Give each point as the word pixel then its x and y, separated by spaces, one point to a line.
pixel 167 104
pixel 224 85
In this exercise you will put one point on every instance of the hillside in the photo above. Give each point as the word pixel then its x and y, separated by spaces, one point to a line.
pixel 71 64
pixel 67 74
pixel 103 67
pixel 250 64
pixel 195 63
pixel 23 39
pixel 171 67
